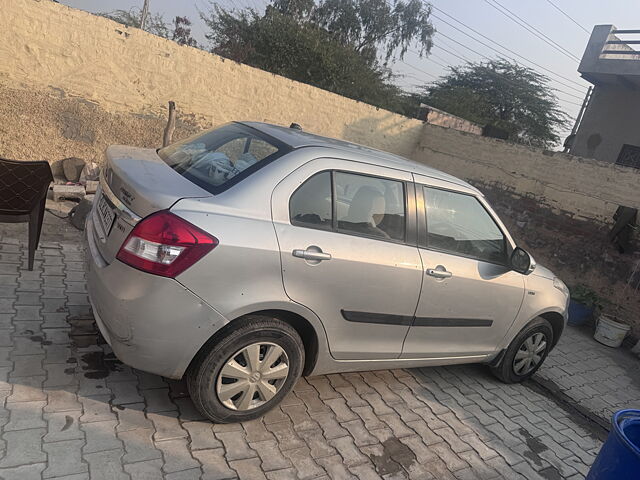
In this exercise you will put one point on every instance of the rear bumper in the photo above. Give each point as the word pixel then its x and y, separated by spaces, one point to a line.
pixel 152 323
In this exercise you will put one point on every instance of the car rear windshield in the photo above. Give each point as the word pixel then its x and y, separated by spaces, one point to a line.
pixel 221 157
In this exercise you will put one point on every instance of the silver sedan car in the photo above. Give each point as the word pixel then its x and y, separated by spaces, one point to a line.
pixel 251 254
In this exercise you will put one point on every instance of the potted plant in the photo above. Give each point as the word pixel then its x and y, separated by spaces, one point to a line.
pixel 583 304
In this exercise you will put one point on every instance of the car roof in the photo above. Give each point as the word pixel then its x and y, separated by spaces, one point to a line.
pixel 295 138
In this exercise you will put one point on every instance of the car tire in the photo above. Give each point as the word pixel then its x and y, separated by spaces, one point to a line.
pixel 514 370
pixel 235 363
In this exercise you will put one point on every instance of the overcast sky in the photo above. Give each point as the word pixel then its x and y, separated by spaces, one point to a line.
pixel 477 14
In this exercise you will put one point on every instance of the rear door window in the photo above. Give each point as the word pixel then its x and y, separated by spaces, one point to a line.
pixel 370 206
pixel 310 204
pixel 221 157
pixel 358 205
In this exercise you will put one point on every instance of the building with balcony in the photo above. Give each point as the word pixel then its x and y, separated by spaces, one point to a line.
pixel 609 129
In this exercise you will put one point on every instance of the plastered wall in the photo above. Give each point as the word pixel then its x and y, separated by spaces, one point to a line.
pixel 127 76
pixel 581 188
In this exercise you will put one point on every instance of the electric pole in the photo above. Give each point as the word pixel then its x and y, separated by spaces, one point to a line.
pixel 145 12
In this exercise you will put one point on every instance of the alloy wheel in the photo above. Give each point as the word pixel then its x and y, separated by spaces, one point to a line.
pixel 252 376
pixel 530 353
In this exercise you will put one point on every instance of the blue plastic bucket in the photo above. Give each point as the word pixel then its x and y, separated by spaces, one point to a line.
pixel 579 313
pixel 619 457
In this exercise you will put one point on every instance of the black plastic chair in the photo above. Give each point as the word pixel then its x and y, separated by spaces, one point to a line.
pixel 23 195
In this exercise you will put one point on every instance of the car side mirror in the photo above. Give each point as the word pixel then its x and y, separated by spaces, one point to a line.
pixel 522 262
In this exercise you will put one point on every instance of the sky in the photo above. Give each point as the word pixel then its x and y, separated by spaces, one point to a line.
pixel 451 44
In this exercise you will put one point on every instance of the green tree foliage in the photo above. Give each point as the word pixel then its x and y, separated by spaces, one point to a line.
pixel 501 94
pixel 338 45
pixel 182 32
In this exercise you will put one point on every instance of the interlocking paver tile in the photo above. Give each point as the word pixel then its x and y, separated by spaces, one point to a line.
pixel 359 433
pixel 270 454
pixel 348 451
pixel 448 456
pixel 370 419
pixel 63 426
pixel 64 458
pixel 176 455
pixel 187 411
pixel 317 443
pixel 146 470
pixel 23 447
pixel 324 387
pixel 25 472
pixel 25 415
pixel 312 401
pixel 96 408
pixel 62 400
pixel 379 406
pixel 248 468
pixel 364 472
pixel 286 436
pixel 124 393
pixel 191 474
pixel 138 445
pixel 201 435
pixel 422 452
pixel 106 465
pixel 300 418
pixel 256 431
pixel 214 464
pixel 28 389
pixel 27 365
pixel 131 417
pixel 157 400
pixel 100 436
pixel 335 468
pixel 304 464
pixel 167 426
pixel 60 375
pixel 235 445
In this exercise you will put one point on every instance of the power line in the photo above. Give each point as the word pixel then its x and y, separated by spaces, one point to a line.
pixel 441 40
pixel 431 54
pixel 505 79
pixel 567 15
pixel 530 28
pixel 437 63
pixel 484 56
pixel 419 69
pixel 501 46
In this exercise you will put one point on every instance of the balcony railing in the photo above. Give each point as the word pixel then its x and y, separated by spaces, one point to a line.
pixel 621 49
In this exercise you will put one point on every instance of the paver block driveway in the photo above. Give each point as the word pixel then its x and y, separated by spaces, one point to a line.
pixel 70 409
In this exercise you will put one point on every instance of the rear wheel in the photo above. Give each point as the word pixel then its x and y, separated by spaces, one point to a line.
pixel 526 352
pixel 248 371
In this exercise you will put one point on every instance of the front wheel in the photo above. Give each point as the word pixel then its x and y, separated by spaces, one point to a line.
pixel 526 352
pixel 248 371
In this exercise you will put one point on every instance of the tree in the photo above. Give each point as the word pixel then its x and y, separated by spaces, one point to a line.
pixel 375 27
pixel 501 94
pixel 182 32
pixel 155 23
pixel 342 46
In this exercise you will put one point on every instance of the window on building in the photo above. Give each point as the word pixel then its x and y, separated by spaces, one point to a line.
pixel 629 156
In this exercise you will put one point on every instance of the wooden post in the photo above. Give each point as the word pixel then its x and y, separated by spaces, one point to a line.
pixel 171 125
pixel 144 14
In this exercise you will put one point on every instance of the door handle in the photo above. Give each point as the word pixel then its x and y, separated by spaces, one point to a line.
pixel 311 255
pixel 439 272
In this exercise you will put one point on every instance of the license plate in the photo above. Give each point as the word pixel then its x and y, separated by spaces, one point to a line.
pixel 106 216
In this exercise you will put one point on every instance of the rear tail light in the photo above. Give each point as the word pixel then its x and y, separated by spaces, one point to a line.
pixel 165 244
